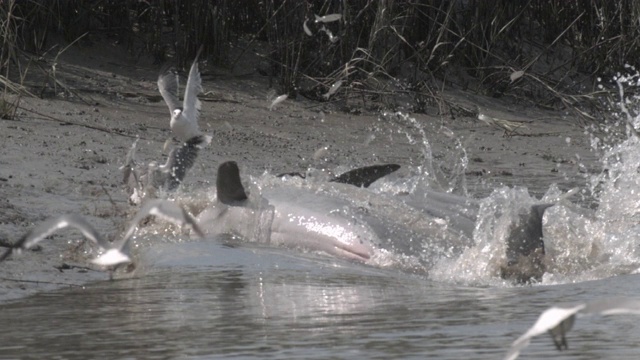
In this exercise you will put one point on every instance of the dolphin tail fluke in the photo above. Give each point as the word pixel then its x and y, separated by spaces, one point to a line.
pixel 228 184
pixel 525 247
pixel 365 176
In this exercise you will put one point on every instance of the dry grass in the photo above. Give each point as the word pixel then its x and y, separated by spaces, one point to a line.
pixel 378 49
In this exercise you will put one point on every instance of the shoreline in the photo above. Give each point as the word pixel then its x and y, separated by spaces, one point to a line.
pixel 61 155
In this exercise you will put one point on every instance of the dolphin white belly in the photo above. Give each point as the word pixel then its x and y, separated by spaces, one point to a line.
pixel 306 220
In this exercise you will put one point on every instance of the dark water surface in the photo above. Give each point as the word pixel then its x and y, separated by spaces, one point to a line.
pixel 202 300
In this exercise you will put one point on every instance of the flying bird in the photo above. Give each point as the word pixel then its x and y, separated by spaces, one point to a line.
pixel 277 101
pixel 184 117
pixel 328 18
pixel 113 254
pixel 333 89
pixel 558 320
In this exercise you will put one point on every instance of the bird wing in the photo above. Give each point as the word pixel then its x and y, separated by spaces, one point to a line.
pixel 613 306
pixel 111 258
pixel 164 209
pixel 168 83
pixel 181 160
pixel 52 225
pixel 552 320
pixel 548 320
pixel 129 168
pixel 170 211
pixel 169 181
pixel 191 105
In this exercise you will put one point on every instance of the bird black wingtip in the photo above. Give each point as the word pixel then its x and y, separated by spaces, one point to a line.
pixel 5 254
pixel 199 52
pixel 16 247
pixel 196 140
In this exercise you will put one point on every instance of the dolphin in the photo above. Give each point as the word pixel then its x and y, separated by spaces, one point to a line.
pixel 282 216
pixel 356 224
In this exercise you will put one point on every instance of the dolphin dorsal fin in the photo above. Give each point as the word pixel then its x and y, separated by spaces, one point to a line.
pixel 365 176
pixel 228 184
pixel 525 247
pixel 540 209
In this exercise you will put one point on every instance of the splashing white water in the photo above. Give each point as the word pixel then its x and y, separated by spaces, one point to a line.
pixel 584 244
pixel 580 243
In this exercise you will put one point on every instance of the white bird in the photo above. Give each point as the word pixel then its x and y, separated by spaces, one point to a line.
pixel 332 38
pixel 306 28
pixel 328 18
pixel 332 90
pixel 184 117
pixel 277 101
pixel 559 320
pixel 113 254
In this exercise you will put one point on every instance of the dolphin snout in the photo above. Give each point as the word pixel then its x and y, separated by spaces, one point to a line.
pixel 357 252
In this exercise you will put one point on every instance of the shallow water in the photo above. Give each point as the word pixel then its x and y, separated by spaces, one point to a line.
pixel 214 301
pixel 194 299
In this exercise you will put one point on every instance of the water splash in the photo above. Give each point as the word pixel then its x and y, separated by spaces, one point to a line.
pixel 580 243
pixel 435 174
pixel 584 244
pixel 480 263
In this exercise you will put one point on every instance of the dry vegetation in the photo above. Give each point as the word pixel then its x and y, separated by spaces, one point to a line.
pixel 547 52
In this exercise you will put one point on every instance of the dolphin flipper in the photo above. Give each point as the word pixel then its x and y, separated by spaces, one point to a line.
pixel 228 184
pixel 365 176
pixel 525 247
